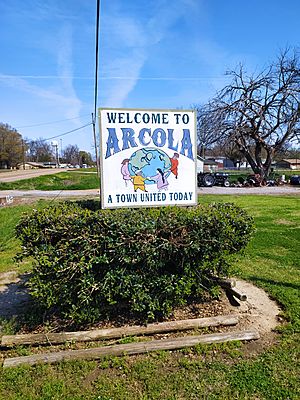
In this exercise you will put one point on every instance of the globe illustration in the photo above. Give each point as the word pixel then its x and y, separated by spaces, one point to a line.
pixel 148 160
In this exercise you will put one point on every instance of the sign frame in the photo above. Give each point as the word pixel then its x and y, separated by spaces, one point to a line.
pixel 142 111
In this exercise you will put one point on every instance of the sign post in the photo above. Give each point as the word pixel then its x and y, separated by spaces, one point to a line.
pixel 148 157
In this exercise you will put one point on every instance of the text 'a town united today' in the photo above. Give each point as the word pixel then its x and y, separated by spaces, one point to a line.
pixel 151 197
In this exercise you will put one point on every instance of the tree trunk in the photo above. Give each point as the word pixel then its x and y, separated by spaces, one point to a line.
pixel 250 160
pixel 268 162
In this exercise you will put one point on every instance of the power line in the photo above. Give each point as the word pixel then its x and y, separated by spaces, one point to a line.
pixel 49 123
pixel 3 76
pixel 57 136
pixel 146 78
pixel 163 78
pixel 66 133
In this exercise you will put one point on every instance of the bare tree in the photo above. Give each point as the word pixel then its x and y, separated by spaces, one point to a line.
pixel 39 150
pixel 209 120
pixel 262 111
pixel 71 154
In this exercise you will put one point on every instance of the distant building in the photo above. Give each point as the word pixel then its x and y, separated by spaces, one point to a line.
pixel 223 162
pixel 210 166
pixel 30 165
pixel 289 163
pixel 50 164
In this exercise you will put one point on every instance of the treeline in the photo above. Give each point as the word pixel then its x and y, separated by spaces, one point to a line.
pixel 15 151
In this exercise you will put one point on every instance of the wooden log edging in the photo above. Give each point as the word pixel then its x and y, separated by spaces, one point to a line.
pixel 230 287
pixel 115 333
pixel 234 292
pixel 130 348
pixel 226 283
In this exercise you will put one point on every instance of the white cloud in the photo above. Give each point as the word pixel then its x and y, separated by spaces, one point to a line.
pixel 65 71
pixel 117 90
pixel 62 95
pixel 36 10
pixel 127 46
pixel 49 95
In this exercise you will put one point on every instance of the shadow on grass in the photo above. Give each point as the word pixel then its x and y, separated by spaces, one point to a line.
pixel 14 297
pixel 18 310
pixel 275 283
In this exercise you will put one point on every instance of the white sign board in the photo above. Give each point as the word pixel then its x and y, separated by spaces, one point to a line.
pixel 148 157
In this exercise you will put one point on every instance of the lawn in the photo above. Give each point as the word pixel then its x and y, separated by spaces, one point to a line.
pixel 226 371
pixel 69 180
pixel 8 245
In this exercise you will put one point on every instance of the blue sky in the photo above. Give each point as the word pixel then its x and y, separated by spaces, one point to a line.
pixel 153 54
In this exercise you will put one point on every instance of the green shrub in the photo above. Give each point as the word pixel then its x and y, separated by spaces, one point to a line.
pixel 90 262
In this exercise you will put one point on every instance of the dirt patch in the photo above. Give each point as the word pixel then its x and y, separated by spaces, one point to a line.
pixel 258 312
pixel 284 222
pixel 67 182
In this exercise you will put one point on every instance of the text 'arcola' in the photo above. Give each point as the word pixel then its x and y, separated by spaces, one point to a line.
pixel 126 138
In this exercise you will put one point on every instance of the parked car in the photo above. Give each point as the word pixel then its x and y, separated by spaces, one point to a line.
pixel 295 180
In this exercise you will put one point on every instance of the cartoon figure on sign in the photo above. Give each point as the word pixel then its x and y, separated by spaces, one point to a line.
pixel 174 164
pixel 148 160
pixel 125 171
pixel 139 181
pixel 161 179
pixel 149 166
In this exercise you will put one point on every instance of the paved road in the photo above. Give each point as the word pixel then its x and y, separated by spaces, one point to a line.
pixel 215 190
pixel 17 175
pixel 269 190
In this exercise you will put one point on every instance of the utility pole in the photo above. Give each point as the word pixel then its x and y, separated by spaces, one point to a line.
pixel 60 148
pixel 23 154
pixel 95 144
pixel 96 85
pixel 57 156
pixel 55 145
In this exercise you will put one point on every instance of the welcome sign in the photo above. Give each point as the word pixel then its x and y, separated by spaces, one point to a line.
pixel 148 157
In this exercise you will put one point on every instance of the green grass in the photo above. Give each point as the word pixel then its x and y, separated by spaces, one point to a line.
pixel 272 260
pixel 69 180
pixel 224 371
pixel 9 245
